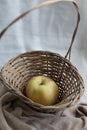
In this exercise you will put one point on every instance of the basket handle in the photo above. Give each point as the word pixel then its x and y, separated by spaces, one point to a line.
pixel 45 4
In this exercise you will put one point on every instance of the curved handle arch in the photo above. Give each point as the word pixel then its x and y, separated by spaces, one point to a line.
pixel 49 2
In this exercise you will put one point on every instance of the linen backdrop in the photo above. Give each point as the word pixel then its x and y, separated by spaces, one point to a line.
pixel 49 28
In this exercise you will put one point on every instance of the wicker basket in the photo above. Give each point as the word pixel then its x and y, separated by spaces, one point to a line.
pixel 16 73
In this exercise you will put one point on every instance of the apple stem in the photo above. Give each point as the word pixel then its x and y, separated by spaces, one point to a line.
pixel 41 83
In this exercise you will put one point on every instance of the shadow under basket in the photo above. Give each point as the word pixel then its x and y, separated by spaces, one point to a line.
pixel 20 69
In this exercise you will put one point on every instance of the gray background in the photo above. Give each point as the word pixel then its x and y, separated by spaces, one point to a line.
pixel 49 28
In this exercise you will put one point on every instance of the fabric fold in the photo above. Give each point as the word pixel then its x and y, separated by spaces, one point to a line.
pixel 16 115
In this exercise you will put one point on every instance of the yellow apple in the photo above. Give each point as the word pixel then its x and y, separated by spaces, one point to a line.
pixel 42 90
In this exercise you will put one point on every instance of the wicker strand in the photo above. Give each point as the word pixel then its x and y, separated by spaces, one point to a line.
pixel 40 6
pixel 16 73
pixel 74 34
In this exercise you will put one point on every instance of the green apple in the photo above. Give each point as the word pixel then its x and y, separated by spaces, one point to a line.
pixel 42 90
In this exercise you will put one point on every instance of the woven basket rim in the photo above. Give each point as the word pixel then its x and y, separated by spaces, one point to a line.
pixel 55 106
pixel 62 103
pixel 44 52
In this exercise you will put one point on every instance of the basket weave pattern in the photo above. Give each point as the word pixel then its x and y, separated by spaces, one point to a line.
pixel 20 69
pixel 16 73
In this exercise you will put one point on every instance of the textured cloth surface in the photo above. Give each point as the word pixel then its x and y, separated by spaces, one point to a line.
pixel 51 29
pixel 15 115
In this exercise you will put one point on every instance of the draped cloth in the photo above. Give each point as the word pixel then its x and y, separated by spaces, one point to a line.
pixel 38 31
pixel 16 115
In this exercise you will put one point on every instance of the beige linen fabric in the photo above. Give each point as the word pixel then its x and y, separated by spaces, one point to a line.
pixel 16 115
